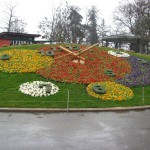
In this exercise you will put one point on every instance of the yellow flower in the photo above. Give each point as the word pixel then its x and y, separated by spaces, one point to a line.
pixel 23 61
pixel 114 91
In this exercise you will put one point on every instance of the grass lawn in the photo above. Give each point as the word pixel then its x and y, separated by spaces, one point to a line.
pixel 144 56
pixel 10 96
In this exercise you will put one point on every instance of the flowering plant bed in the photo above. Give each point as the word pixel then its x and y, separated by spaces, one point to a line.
pixel 93 70
pixel 98 67
pixel 24 61
pixel 118 53
pixel 114 91
pixel 39 88
pixel 140 74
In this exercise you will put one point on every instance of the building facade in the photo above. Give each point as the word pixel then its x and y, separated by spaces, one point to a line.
pixel 11 38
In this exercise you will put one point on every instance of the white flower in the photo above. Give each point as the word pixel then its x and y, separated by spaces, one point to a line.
pixel 120 54
pixel 36 89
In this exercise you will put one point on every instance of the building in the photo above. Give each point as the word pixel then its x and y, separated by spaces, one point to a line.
pixel 121 39
pixel 11 38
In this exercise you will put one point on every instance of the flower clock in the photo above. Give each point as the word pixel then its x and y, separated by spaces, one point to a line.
pixel 38 88
pixel 118 53
pixel 108 74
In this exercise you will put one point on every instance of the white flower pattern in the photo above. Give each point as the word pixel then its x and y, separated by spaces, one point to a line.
pixel 34 89
pixel 118 54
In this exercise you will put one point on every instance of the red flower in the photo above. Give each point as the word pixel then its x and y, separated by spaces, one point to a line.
pixel 93 70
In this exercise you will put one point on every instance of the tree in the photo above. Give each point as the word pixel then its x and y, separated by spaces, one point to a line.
pixel 142 23
pixel 103 29
pixel 64 25
pixel 56 28
pixel 18 26
pixel 118 30
pixel 75 25
pixel 135 16
pixel 92 23
pixel 11 23
pixel 124 15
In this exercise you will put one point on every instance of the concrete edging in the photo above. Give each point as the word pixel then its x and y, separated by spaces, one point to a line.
pixel 57 110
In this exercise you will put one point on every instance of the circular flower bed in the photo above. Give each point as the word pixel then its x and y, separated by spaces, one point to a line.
pixel 93 70
pixel 114 91
pixel 23 61
pixel 118 53
pixel 38 88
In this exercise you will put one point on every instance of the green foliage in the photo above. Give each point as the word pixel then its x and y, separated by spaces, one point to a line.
pixel 31 46
pixel 49 53
pixel 98 89
pixel 75 25
pixel 5 57
pixel 93 17
pixel 110 73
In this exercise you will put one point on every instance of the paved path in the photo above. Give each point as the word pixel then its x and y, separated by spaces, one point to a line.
pixel 75 131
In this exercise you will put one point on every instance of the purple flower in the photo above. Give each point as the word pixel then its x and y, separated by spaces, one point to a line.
pixel 140 74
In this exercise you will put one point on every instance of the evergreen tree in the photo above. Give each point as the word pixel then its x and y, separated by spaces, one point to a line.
pixel 93 16
pixel 75 24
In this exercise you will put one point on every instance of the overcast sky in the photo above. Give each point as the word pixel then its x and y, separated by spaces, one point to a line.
pixel 33 11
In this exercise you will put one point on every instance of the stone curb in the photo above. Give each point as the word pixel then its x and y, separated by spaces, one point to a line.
pixel 50 110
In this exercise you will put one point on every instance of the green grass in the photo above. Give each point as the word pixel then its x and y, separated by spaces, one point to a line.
pixel 144 56
pixel 31 46
pixel 10 96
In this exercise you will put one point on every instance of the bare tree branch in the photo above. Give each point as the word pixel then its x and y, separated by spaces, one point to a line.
pixel 11 22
